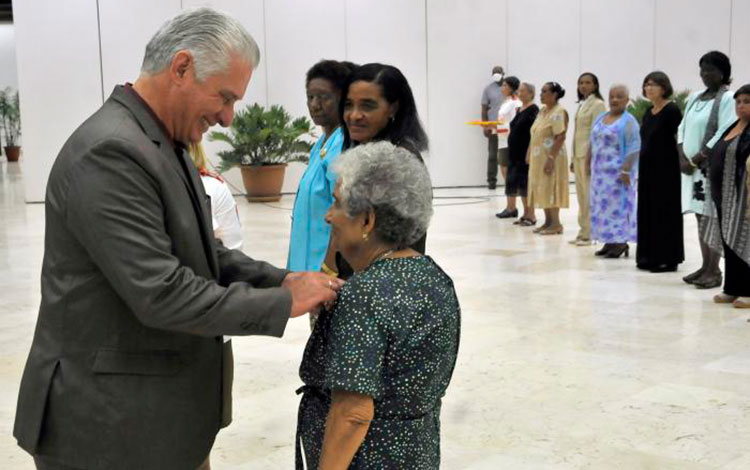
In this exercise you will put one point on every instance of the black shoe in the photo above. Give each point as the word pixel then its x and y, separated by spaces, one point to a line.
pixel 506 214
pixel 664 268
pixel 617 250
pixel 492 186
pixel 605 249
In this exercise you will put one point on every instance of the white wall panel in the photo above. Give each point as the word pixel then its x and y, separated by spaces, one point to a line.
pixel 8 69
pixel 125 31
pixel 544 45
pixel 465 40
pixel 57 50
pixel 391 32
pixel 617 42
pixel 299 34
pixel 685 30
pixel 740 48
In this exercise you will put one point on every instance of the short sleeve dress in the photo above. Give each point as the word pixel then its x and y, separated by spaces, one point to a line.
pixel 548 191
pixel 393 335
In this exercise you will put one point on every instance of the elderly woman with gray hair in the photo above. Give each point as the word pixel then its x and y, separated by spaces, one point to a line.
pixel 379 361
pixel 613 158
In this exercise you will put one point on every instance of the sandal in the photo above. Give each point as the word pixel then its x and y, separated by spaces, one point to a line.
pixel 524 222
pixel 692 277
pixel 709 282
pixel 724 298
pixel 741 302
pixel 540 228
pixel 552 230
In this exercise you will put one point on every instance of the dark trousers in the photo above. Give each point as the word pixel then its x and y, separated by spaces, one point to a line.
pixel 43 463
pixel 736 274
pixel 492 160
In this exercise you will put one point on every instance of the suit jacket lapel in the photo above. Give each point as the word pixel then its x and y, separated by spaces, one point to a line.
pixel 191 180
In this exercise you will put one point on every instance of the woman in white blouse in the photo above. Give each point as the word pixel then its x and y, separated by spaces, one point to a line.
pixel 506 114
pixel 224 216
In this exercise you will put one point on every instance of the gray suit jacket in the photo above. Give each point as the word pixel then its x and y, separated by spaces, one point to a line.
pixel 127 368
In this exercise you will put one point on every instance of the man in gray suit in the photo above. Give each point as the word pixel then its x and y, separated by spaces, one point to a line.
pixel 128 369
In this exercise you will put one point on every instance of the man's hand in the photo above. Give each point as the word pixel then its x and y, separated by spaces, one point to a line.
pixel 310 291
pixel 487 131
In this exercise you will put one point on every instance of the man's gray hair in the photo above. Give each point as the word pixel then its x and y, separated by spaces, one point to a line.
pixel 393 183
pixel 209 35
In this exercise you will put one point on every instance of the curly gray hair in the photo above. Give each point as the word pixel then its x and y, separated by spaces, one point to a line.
pixel 393 183
pixel 209 35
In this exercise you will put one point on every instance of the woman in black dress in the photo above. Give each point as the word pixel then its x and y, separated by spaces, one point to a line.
pixel 728 176
pixel 660 245
pixel 518 143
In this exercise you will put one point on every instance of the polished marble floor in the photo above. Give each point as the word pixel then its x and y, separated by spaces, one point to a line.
pixel 567 361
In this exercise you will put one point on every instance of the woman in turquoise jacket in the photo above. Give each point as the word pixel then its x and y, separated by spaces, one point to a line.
pixel 310 237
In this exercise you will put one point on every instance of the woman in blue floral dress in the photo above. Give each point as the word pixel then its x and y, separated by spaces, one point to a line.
pixel 615 145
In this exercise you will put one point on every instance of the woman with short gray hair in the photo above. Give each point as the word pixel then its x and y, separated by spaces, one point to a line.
pixel 378 363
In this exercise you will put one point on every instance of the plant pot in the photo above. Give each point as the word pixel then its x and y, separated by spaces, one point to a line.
pixel 263 182
pixel 13 152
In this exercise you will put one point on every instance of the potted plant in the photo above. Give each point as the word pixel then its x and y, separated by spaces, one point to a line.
pixel 10 120
pixel 263 142
pixel 639 105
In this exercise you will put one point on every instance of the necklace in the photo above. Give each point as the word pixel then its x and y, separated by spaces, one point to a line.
pixel 326 143
pixel 382 256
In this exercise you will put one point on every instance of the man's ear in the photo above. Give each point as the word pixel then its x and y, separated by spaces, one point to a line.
pixel 181 68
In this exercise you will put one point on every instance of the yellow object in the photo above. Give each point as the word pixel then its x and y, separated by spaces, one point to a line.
pixel 329 271
pixel 485 123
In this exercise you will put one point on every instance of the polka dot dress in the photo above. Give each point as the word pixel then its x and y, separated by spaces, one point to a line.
pixel 393 335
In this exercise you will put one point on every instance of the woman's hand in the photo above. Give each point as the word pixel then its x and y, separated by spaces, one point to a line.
pixel 549 165
pixel 624 178
pixel 698 159
pixel 685 166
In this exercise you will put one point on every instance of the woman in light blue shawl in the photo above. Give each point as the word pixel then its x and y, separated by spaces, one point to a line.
pixel 615 145
pixel 309 242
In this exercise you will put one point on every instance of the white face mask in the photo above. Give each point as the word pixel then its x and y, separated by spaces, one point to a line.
pixel 498 77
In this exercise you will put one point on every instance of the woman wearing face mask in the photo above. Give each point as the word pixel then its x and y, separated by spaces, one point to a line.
pixel 613 156
pixel 707 115
pixel 548 160
pixel 660 239
pixel 309 244
pixel 379 105
pixel 590 107
pixel 728 174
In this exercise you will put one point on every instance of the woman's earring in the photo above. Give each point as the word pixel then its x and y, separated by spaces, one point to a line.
pixel 364 236
pixel 393 119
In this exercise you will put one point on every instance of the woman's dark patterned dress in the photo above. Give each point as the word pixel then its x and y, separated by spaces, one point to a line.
pixel 393 335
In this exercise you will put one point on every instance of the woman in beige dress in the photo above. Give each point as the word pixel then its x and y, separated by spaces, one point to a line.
pixel 548 160
pixel 591 105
